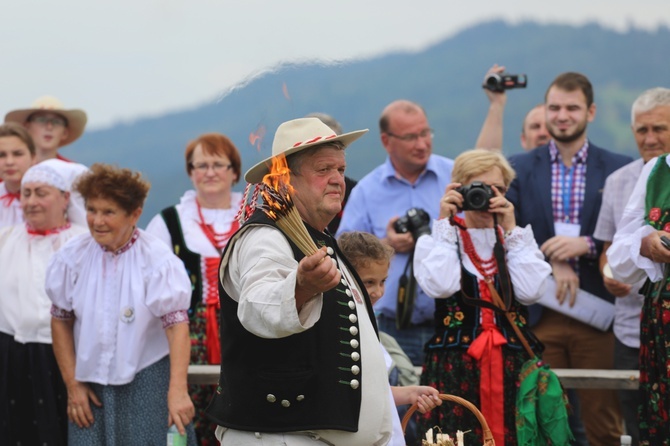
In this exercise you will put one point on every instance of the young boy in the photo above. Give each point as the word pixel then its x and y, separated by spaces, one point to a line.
pixel 371 259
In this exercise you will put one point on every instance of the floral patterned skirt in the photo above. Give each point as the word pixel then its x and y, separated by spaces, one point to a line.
pixel 454 372
pixel 201 394
pixel 654 366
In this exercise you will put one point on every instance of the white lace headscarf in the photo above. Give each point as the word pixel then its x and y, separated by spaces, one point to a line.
pixel 61 175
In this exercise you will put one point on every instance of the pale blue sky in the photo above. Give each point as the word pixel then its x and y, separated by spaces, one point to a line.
pixel 124 59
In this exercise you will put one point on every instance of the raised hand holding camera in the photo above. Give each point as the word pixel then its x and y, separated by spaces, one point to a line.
pixel 478 196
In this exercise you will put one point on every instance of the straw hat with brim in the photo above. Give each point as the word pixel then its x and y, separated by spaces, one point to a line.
pixel 76 119
pixel 296 135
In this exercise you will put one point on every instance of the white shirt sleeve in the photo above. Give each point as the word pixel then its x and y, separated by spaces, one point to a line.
pixel 261 276
pixel 59 282
pixel 623 256
pixel 527 268
pixel 438 272
pixel 158 228
pixel 168 288
pixel 436 266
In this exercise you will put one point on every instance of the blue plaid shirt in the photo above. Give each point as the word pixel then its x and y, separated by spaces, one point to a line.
pixel 574 180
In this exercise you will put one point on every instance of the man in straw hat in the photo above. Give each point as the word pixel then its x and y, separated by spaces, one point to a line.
pixel 50 125
pixel 300 357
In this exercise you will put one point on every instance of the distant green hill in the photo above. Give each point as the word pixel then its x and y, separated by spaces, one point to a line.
pixel 444 78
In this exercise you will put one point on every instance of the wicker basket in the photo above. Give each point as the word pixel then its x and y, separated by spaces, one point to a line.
pixel 486 432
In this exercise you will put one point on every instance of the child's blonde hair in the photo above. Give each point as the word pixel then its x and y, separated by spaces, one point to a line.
pixel 361 248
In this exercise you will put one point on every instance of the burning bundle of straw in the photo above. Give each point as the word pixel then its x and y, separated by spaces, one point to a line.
pixel 276 191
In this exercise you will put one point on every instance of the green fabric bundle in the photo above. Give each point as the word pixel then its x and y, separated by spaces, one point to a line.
pixel 541 407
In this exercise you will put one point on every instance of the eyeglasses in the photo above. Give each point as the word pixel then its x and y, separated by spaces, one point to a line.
pixel 216 167
pixel 413 137
pixel 501 189
pixel 44 121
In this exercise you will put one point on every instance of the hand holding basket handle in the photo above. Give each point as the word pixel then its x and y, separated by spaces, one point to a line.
pixel 486 432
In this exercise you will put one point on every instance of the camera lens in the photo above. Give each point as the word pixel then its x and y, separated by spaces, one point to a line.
pixel 493 82
pixel 478 199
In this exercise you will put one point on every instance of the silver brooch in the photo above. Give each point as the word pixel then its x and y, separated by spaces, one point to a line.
pixel 127 314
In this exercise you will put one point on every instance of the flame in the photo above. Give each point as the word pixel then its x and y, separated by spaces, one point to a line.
pixel 284 90
pixel 277 189
pixel 256 137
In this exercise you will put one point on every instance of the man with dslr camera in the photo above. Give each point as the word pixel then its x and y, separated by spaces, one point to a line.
pixel 411 177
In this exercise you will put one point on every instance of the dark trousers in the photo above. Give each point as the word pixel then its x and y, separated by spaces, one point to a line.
pixel 628 358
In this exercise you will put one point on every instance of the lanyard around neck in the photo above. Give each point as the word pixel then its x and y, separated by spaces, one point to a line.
pixel 566 189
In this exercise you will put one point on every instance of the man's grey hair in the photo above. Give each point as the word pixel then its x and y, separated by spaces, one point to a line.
pixel 650 99
pixel 295 160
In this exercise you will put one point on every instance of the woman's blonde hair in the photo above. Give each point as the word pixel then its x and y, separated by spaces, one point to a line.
pixel 478 161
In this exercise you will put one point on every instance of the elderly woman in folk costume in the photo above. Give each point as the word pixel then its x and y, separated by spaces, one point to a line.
pixel 119 320
pixel 32 393
pixel 197 229
pixel 475 353
pixel 17 154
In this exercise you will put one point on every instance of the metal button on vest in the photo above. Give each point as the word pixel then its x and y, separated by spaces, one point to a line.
pixel 352 305
pixel 285 403
pixel 353 331
pixel 354 384
pixel 353 319
pixel 355 356
pixel 343 280
pixel 271 398
pixel 353 343
pixel 355 370
pixel 300 397
pixel 330 251
pixel 348 291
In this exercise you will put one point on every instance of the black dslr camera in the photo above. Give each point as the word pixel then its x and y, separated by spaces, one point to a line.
pixel 416 221
pixel 501 82
pixel 476 196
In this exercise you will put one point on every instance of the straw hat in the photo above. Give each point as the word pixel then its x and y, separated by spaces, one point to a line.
pixel 76 119
pixel 296 135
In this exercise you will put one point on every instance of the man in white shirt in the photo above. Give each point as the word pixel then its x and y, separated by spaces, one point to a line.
pixel 300 357
pixel 651 128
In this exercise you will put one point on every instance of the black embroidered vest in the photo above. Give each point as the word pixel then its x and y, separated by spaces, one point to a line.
pixel 191 260
pixel 457 323
pixel 306 381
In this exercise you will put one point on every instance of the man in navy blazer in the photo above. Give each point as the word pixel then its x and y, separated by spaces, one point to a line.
pixel 558 191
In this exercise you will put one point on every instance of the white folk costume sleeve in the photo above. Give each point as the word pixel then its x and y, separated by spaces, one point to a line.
pixel 437 266
pixel 60 281
pixel 158 228
pixel 261 276
pixel 527 268
pixel 623 256
pixel 168 288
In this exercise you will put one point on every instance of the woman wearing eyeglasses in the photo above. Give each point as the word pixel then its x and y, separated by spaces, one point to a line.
pixel 197 229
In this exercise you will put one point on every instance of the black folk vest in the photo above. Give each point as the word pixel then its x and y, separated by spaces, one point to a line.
pixel 307 381
pixel 191 260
